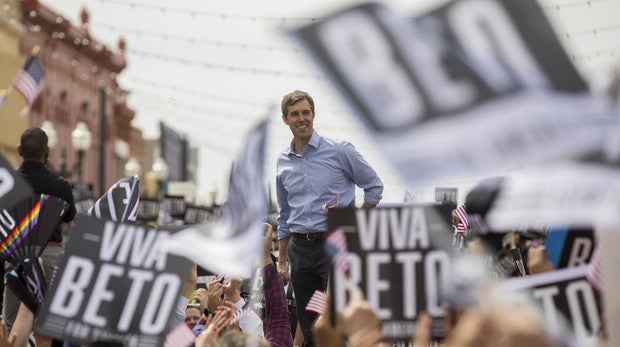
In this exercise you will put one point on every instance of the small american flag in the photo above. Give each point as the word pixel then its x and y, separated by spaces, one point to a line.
pixel 463 223
pixel 336 248
pixel 240 313
pixel 317 302
pixel 594 273
pixel 30 79
pixel 180 336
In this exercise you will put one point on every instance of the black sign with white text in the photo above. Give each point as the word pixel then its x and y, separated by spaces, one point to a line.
pixel 116 284
pixel 148 210
pixel 396 261
pixel 13 187
pixel 469 67
pixel 568 293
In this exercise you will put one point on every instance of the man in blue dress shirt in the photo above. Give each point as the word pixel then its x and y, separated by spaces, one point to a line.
pixel 314 174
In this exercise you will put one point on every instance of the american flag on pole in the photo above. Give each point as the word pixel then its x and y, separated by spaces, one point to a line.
pixel 463 222
pixel 180 336
pixel 318 302
pixel 336 248
pixel 30 79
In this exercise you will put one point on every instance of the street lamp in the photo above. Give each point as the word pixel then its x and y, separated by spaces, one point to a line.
pixel 81 138
pixel 160 169
pixel 132 167
pixel 52 135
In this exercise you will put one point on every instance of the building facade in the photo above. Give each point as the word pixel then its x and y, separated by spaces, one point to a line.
pixel 80 86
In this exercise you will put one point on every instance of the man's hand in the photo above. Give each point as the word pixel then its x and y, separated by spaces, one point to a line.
pixel 359 315
pixel 327 334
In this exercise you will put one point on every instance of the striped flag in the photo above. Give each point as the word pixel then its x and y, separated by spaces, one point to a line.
pixel 120 202
pixel 30 80
pixel 318 302
pixel 240 313
pixel 336 248
pixel 594 273
pixel 180 336
pixel 463 221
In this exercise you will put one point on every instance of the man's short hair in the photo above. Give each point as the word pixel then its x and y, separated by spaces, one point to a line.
pixel 294 97
pixel 33 143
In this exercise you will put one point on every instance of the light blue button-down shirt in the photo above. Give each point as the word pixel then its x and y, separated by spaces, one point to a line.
pixel 324 176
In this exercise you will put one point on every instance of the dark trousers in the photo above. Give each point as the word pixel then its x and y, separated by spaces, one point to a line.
pixel 310 268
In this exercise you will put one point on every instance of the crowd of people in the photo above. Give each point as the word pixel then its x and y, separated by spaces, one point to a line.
pixel 314 174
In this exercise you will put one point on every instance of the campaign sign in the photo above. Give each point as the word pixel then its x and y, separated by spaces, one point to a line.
pixel 116 284
pixel 13 187
pixel 148 210
pixel 175 205
pixel 429 85
pixel 399 257
pixel 199 214
pixel 564 293
pixel 570 247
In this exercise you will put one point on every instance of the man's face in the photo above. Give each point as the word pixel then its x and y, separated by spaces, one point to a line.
pixel 299 118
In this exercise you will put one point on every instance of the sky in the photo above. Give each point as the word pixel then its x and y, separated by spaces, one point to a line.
pixel 212 69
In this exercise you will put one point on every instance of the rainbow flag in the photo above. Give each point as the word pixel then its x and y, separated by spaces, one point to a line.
pixel 27 224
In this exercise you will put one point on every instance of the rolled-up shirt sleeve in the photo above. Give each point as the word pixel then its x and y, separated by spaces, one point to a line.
pixel 362 174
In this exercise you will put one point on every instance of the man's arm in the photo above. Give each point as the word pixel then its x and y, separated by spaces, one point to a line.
pixel 283 228
pixel 362 174
pixel 282 258
pixel 277 320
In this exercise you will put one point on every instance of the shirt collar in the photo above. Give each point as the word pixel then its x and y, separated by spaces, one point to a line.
pixel 315 139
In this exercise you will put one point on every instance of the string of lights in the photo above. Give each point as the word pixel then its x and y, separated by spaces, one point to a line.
pixel 218 66
pixel 141 83
pixel 601 53
pixel 593 31
pixel 194 40
pixel 201 13
pixel 255 18
pixel 580 3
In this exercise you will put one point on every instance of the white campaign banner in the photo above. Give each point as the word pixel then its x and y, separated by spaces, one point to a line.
pixel 559 194
pixel 475 86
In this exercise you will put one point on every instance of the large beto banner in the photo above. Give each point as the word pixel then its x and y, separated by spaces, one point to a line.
pixel 434 83
pixel 13 188
pixel 399 257
pixel 116 284
pixel 566 298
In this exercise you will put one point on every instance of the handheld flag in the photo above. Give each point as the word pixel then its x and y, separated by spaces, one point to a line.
pixel 233 243
pixel 318 302
pixel 120 202
pixel 463 221
pixel 336 248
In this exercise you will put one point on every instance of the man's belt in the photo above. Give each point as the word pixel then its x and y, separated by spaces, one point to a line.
pixel 310 236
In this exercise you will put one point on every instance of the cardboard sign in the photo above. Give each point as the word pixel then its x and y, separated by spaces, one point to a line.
pixel 492 67
pixel 570 247
pixel 399 257
pixel 13 187
pixel 564 293
pixel 116 284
